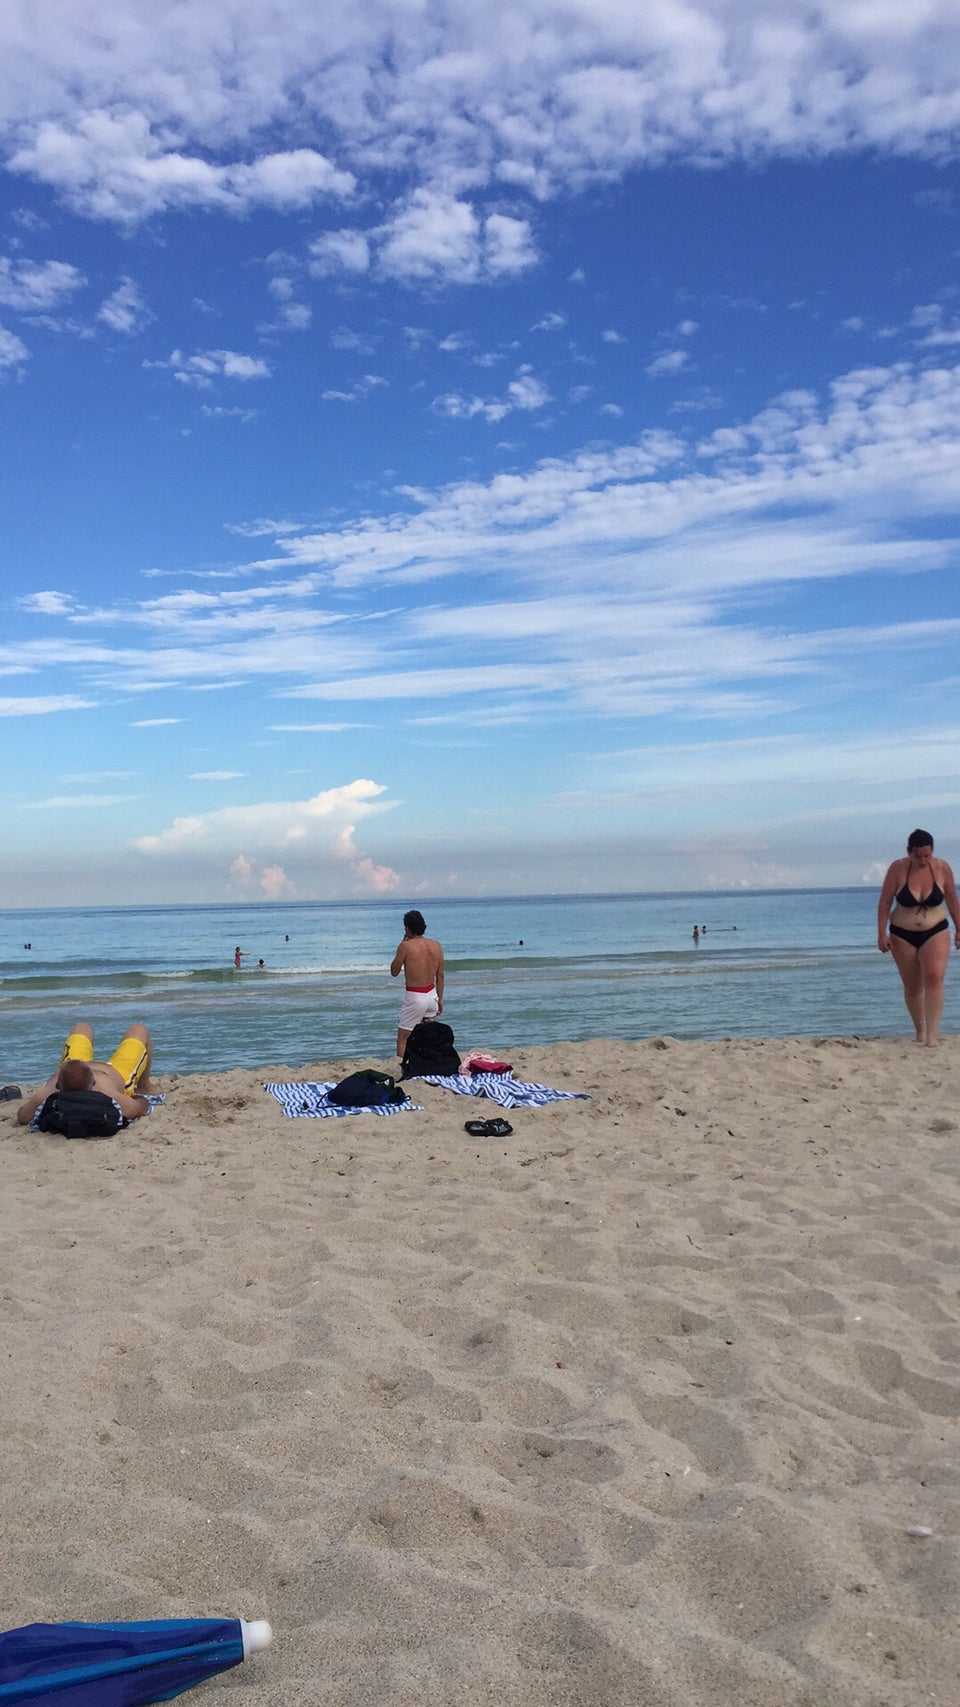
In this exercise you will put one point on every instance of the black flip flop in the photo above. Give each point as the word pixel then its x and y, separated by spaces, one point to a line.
pixel 488 1128
pixel 10 1093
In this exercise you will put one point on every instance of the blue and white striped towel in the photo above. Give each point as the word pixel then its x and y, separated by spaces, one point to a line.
pixel 311 1102
pixel 501 1088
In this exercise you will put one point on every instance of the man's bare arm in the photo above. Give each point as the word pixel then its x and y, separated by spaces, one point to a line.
pixel 132 1107
pixel 439 983
pixel 396 964
pixel 28 1109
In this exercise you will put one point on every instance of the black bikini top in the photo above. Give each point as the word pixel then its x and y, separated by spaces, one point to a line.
pixel 906 898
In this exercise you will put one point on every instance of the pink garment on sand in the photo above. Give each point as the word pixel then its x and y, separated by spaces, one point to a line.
pixel 480 1063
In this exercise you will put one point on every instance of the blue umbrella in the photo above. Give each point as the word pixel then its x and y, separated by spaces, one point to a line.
pixel 121 1665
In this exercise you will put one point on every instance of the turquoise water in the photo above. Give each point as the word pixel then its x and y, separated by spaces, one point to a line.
pixel 598 966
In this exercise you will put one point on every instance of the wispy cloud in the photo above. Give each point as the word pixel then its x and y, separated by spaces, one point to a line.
pixel 125 309
pixel 44 704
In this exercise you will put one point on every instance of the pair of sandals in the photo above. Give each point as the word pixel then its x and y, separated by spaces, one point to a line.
pixel 488 1128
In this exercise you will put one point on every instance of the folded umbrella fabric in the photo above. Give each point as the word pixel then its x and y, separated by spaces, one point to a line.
pixel 502 1088
pixel 121 1665
pixel 310 1101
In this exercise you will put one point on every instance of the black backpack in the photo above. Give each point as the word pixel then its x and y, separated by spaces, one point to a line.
pixel 366 1089
pixel 80 1114
pixel 430 1051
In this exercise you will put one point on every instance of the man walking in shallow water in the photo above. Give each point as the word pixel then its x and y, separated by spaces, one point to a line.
pixel 420 959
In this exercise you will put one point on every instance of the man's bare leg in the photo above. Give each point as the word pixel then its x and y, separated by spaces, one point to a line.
pixel 402 1042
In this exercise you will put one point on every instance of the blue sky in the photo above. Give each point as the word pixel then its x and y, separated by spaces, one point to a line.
pixel 474 449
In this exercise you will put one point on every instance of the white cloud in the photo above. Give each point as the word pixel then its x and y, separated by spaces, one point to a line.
pixel 344 338
pixel 116 164
pixel 42 705
pixel 611 336
pixel 132 113
pixel 251 841
pixel 61 802
pixel 205 366
pixel 155 722
pixel 525 392
pixel 32 287
pixel 339 252
pixel 434 236
pixel 551 322
pixel 13 350
pixel 361 388
pixel 47 604
pixel 215 776
pixel 671 361
pixel 125 310
pixel 633 579
pixel 508 245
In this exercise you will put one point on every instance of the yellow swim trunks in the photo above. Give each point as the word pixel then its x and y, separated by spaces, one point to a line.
pixel 129 1058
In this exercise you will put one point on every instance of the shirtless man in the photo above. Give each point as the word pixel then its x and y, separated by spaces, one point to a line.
pixel 124 1078
pixel 420 959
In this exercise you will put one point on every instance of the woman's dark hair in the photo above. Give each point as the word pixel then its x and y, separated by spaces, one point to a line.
pixel 919 839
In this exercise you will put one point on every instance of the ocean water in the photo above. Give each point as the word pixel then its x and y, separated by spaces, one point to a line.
pixel 525 970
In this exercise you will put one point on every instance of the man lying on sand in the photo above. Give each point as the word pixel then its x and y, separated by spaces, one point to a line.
pixel 124 1078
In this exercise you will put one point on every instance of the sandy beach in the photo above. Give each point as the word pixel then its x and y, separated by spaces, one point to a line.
pixel 637 1407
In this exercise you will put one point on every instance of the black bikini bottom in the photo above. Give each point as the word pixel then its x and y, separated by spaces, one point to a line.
pixel 916 939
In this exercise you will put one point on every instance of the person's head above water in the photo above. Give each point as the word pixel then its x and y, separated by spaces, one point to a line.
pixel 75 1076
pixel 919 839
pixel 414 922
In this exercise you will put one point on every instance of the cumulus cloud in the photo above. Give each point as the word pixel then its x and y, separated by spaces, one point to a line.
pixel 33 287
pixel 167 109
pixel 205 366
pixel 376 879
pixel 436 236
pixel 339 252
pixel 115 164
pixel 270 826
pixel 525 392
pixel 671 361
pixel 260 845
pixel 252 878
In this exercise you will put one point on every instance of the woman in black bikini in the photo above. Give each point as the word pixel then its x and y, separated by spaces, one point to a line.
pixel 921 891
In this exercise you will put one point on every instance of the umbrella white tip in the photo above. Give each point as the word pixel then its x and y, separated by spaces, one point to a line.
pixel 257 1635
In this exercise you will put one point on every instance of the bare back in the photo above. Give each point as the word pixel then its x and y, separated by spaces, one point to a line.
pixel 422 960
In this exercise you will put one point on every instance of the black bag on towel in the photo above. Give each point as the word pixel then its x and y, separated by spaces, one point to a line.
pixel 366 1089
pixel 80 1114
pixel 430 1051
